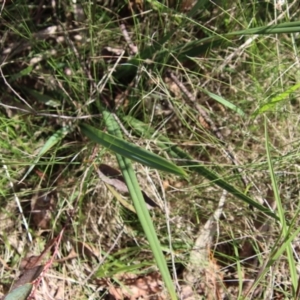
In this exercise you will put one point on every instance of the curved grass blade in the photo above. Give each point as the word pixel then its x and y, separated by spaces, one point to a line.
pixel 53 140
pixel 20 293
pixel 130 151
pixel 177 152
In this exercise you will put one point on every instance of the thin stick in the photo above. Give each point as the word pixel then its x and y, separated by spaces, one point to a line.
pixel 17 201
pixel 49 263
pixel 104 257
pixel 2 7
pixel 11 88
pixel 133 48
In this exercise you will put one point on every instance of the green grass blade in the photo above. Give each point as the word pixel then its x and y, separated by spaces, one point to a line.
pixel 146 222
pixel 285 27
pixel 43 98
pixel 20 293
pixel 279 98
pixel 225 102
pixel 22 73
pixel 281 213
pixel 195 166
pixel 50 143
pixel 160 55
pixel 141 208
pixel 131 151
pixel 195 48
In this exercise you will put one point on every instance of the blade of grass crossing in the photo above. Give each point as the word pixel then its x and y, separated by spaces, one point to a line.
pixel 285 229
pixel 141 208
pixel 129 150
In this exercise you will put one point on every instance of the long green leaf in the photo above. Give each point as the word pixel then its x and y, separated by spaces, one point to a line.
pixel 195 166
pixel 20 293
pixel 44 98
pixel 285 27
pixel 224 102
pixel 145 220
pixel 141 208
pixel 131 151
pixel 279 98
pixel 158 54
pixel 22 73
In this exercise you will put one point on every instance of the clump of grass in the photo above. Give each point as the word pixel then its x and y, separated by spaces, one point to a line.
pixel 198 87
